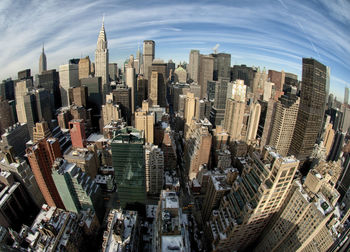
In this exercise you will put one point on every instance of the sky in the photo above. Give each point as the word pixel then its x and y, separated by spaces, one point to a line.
pixel 274 34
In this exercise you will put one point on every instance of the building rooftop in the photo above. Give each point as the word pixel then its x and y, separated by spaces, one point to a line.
pixel 172 243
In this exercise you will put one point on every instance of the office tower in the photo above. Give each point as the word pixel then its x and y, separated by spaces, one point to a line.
pixel 6 116
pixel 253 122
pixel 41 157
pixel 129 165
pixel 102 60
pixel 24 75
pixel 16 207
pixel 266 119
pixel 78 191
pixel 242 72
pixel 110 112
pixel 77 133
pixel 346 96
pixel 30 112
pixel 43 105
pixel 259 82
pixel 268 90
pixel 222 66
pixel 84 67
pixel 344 121
pixel 113 71
pixel 180 75
pixel 153 89
pixel 78 96
pixel 223 90
pixel 206 68
pixel 193 67
pixel 171 70
pixel 130 82
pixel 56 229
pixel 144 121
pixel 160 67
pixel 42 62
pixel 278 78
pixel 197 146
pixel 218 186
pixel 311 109
pixel 122 96
pixel 123 231
pixel 16 136
pixel 40 131
pixel 21 89
pixel 211 90
pixel 141 90
pixel 190 108
pixel 94 89
pixel 148 57
pixel 337 146
pixel 154 166
pixel 69 77
pixel 306 222
pixel 328 138
pixel 51 82
pixel 168 147
pixel 7 89
pixel 170 229
pixel 255 197
pixel 235 107
pixel 283 125
pixel 330 102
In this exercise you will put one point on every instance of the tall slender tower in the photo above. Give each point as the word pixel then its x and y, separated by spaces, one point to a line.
pixel 311 108
pixel 42 62
pixel 101 59
pixel 148 57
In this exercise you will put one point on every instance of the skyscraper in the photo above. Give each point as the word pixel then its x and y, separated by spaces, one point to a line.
pixel 41 157
pixel 51 82
pixel 84 67
pixel 69 77
pixel 129 165
pixel 311 108
pixel 160 67
pixel 101 60
pixel 153 89
pixel 144 120
pixel 154 166
pixel 193 67
pixel 222 66
pixel 346 96
pixel 206 68
pixel 42 62
pixel 77 133
pixel 148 57
pixel 253 199
pixel 284 123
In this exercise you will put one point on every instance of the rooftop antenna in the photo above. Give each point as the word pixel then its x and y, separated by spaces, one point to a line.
pixel 215 48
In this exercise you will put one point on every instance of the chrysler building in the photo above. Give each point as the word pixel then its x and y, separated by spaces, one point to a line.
pixel 101 59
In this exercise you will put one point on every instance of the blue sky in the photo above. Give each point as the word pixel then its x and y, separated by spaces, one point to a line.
pixel 275 34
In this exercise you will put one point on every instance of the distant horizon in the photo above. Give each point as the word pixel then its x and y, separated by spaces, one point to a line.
pixel 271 34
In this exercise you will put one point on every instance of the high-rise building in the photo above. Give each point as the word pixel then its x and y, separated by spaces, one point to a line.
pixel 21 89
pixel 283 125
pixel 148 57
pixel 346 96
pixel 223 90
pixel 153 88
pixel 242 72
pixel 222 66
pixel 77 133
pixel 110 112
pixel 253 122
pixel 260 78
pixel 6 116
pixel 130 82
pixel 168 147
pixel 78 191
pixel 278 78
pixel 154 166
pixel 50 81
pixel 141 90
pixel 16 136
pixel 255 197
pixel 311 109
pixel 7 89
pixel 235 108
pixel 43 105
pixel 94 90
pixel 42 62
pixel 144 121
pixel 122 96
pixel 328 138
pixel 180 75
pixel 193 67
pixel 69 77
pixel 206 68
pixel 41 157
pixel 84 67
pixel 307 221
pixel 113 71
pixel 129 165
pixel 160 67
pixel 190 108
pixel 78 96
pixel 102 60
